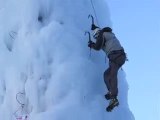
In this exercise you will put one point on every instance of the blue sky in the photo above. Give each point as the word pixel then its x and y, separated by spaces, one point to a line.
pixel 137 25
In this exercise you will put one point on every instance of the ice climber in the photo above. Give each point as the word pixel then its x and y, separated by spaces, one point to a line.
pixel 107 41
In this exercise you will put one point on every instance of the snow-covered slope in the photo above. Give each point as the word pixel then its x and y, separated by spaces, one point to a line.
pixel 45 69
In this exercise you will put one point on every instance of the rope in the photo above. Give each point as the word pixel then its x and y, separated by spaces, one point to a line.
pixel 22 104
pixel 20 109
pixel 94 12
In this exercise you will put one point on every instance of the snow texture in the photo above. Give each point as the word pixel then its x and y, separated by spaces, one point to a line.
pixel 45 69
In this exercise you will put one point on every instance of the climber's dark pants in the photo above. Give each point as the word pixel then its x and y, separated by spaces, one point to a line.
pixel 116 60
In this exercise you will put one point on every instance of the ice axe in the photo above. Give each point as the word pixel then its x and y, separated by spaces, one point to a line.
pixel 89 35
pixel 90 16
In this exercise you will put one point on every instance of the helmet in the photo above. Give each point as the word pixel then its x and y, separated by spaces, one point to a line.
pixel 96 32
pixel 107 29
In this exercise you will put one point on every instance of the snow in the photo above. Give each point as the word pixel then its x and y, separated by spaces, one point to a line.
pixel 45 63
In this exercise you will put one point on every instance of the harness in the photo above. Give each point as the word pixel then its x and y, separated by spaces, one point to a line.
pixel 120 52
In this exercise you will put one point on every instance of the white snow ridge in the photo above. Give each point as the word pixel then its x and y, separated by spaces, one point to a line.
pixel 45 69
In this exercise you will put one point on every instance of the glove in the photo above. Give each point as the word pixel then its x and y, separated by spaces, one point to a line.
pixel 90 44
pixel 93 27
